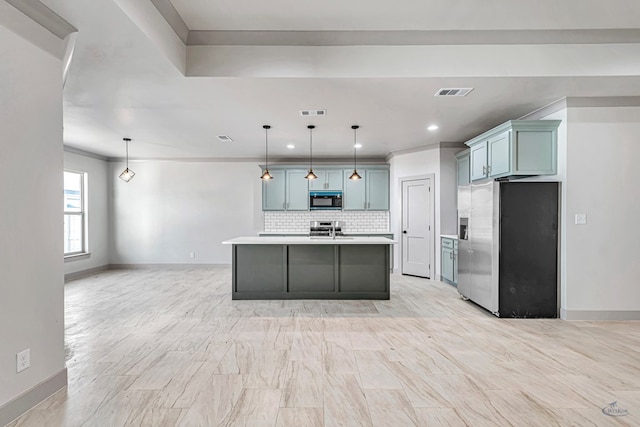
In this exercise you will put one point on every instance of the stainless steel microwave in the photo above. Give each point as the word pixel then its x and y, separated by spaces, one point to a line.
pixel 325 200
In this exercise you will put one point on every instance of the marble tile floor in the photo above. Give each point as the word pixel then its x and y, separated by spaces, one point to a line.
pixel 168 347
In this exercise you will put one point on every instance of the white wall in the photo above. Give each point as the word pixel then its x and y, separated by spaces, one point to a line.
pixel 602 267
pixel 97 211
pixel 432 161
pixel 173 208
pixel 31 251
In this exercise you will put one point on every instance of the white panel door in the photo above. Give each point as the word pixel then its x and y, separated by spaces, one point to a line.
pixel 416 228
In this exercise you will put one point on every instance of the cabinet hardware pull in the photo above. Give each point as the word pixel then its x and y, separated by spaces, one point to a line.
pixel 484 170
pixel 488 170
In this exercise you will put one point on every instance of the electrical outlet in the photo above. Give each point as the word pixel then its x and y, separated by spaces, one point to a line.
pixel 23 360
pixel 192 254
pixel 581 218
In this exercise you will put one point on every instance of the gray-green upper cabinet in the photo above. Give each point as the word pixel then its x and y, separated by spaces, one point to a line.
pixel 515 148
pixel 377 190
pixel 288 190
pixel 463 167
pixel 297 191
pixel 499 155
pixel 328 179
pixel 371 192
pixel 478 160
pixel 354 197
pixel 273 192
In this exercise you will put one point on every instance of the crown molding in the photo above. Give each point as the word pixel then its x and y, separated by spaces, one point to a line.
pixel 72 150
pixel 173 18
pixel 44 16
pixel 437 145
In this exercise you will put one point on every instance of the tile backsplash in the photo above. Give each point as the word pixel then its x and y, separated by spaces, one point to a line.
pixel 355 221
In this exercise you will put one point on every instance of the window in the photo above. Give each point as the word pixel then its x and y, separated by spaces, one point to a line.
pixel 74 213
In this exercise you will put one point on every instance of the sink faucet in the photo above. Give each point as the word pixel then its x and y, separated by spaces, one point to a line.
pixel 332 232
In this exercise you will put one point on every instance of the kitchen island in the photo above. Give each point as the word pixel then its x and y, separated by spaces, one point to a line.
pixel 302 267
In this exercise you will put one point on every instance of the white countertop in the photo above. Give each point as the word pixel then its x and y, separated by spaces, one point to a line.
pixel 280 233
pixel 449 236
pixel 306 240
pixel 302 233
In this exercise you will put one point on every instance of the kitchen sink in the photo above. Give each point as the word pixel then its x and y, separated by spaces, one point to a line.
pixel 331 238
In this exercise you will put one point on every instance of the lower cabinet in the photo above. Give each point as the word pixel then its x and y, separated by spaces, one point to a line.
pixel 449 260
pixel 388 236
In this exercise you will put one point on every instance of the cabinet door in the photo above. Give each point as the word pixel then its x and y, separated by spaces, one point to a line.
pixel 354 195
pixel 455 261
pixel 319 183
pixel 377 190
pixel 499 155
pixel 273 192
pixel 478 158
pixel 447 264
pixel 463 170
pixel 334 180
pixel 297 191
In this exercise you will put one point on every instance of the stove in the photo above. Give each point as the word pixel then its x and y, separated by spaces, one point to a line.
pixel 324 228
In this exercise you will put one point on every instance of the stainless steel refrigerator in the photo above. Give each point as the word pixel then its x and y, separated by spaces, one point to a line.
pixel 508 247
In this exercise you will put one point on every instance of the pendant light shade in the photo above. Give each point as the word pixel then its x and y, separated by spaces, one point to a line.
pixel 311 175
pixel 127 174
pixel 355 175
pixel 266 175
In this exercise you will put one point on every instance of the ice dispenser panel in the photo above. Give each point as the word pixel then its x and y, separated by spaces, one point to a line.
pixel 464 224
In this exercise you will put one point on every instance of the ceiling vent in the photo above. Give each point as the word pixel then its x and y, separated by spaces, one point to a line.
pixel 306 113
pixel 454 91
pixel 225 138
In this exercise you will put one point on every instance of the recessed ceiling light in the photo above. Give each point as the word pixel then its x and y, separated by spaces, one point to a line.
pixel 225 138
pixel 358 145
pixel 432 128
pixel 291 146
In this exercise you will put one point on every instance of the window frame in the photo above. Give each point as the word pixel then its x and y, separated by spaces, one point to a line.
pixel 84 246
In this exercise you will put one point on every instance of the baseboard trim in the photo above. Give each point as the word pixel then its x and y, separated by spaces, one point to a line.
pixel 599 314
pixel 30 398
pixel 152 266
pixel 84 273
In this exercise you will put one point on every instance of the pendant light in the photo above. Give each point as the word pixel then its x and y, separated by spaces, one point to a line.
pixel 127 174
pixel 311 175
pixel 355 175
pixel 266 176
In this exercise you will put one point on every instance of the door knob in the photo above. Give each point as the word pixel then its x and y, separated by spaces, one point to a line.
pixel 404 232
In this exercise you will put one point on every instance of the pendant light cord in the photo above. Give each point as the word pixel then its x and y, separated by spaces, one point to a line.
pixel 311 127
pixel 266 147
pixel 126 140
pixel 355 158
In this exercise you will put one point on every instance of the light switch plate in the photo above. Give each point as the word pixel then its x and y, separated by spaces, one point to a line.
pixel 581 219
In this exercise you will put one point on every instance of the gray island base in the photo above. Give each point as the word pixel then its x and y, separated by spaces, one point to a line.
pixel 306 268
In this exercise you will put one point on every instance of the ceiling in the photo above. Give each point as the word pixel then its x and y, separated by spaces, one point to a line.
pixel 173 75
